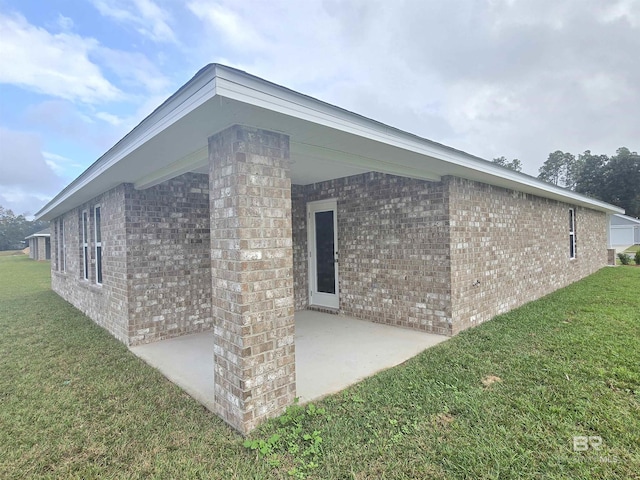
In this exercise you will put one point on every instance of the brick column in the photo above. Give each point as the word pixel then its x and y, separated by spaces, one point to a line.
pixel 252 275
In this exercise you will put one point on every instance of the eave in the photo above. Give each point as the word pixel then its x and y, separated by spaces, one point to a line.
pixel 326 142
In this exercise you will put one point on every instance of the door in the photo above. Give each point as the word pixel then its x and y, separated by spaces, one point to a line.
pixel 323 253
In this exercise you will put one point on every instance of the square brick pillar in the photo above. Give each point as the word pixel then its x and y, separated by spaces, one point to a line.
pixel 252 275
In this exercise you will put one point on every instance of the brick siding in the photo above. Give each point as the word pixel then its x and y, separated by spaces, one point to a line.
pixel 508 248
pixel 168 258
pixel 444 256
pixel 105 304
pixel 393 249
pixel 155 254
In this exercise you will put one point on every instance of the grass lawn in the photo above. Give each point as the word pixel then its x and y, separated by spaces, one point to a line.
pixel 503 400
pixel 633 249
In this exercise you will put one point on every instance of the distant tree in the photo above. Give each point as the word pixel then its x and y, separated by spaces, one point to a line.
pixel 621 181
pixel 560 168
pixel 614 180
pixel 514 164
pixel 590 174
pixel 14 229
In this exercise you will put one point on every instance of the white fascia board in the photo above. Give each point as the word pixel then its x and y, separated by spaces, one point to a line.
pixel 185 100
pixel 242 87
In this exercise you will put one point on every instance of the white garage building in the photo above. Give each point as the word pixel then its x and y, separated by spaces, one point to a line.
pixel 624 231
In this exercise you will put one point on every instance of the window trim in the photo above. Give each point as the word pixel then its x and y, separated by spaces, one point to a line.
pixel 97 246
pixel 56 237
pixel 572 234
pixel 61 250
pixel 84 227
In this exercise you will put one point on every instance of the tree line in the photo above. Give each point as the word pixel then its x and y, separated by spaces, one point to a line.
pixel 613 179
pixel 14 229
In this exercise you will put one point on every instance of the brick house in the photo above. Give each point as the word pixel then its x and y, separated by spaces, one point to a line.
pixel 238 201
pixel 39 245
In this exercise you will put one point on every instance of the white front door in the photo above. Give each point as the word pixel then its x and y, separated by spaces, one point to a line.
pixel 322 223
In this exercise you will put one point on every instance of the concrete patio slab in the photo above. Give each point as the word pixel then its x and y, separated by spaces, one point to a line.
pixel 187 361
pixel 332 352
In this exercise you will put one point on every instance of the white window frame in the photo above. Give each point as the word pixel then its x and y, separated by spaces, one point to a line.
pixel 572 234
pixel 56 236
pixel 97 246
pixel 84 226
pixel 62 260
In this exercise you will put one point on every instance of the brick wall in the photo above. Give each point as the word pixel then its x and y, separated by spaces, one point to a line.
pixel 393 249
pixel 508 248
pixel 106 304
pixel 401 265
pixel 155 252
pixel 168 262
pixel 299 238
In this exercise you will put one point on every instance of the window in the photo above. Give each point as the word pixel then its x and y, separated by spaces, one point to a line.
pixel 572 233
pixel 61 247
pixel 56 232
pixel 85 245
pixel 98 244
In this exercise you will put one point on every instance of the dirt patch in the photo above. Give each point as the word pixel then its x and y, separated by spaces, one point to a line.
pixel 490 380
pixel 443 420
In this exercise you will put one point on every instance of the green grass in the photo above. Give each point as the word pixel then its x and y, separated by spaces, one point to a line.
pixel 77 404
pixel 633 249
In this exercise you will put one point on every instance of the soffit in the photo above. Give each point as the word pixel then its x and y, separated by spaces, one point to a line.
pixel 326 142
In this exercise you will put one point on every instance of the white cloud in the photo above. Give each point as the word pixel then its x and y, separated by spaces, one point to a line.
pixel 628 10
pixel 65 121
pixel 500 77
pixel 22 164
pixel 56 65
pixel 236 30
pixel 64 23
pixel 512 78
pixel 109 118
pixel 145 16
pixel 63 166
pixel 134 70
pixel 22 202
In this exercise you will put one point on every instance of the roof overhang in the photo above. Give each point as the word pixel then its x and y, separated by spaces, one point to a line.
pixel 326 142
pixel 626 219
pixel 34 235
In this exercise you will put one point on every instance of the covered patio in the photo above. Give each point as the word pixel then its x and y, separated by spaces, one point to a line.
pixel 332 352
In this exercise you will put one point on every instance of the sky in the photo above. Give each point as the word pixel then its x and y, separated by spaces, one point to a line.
pixel 513 78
